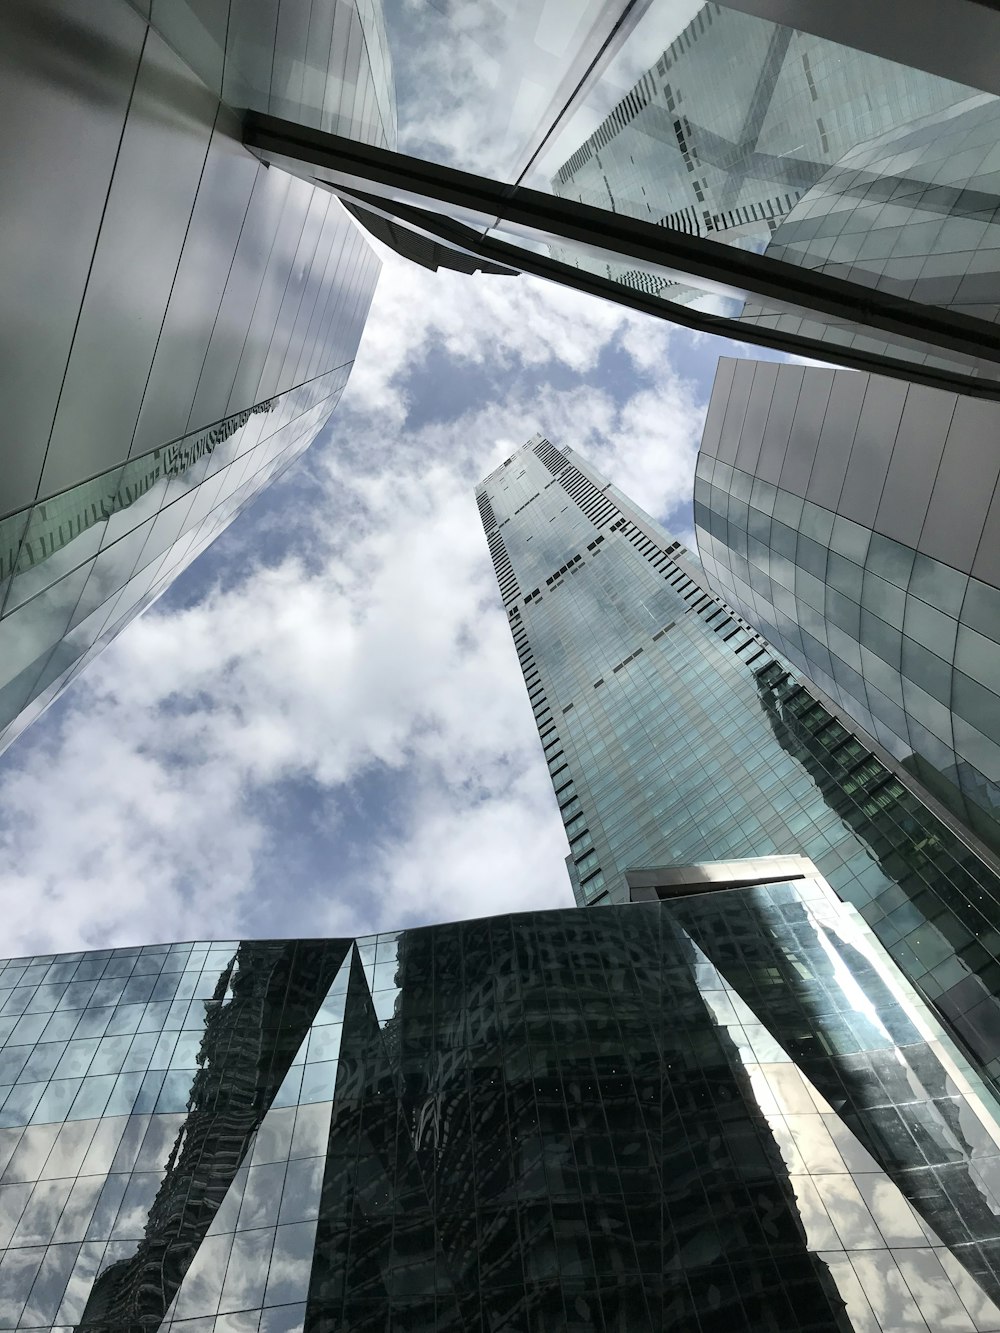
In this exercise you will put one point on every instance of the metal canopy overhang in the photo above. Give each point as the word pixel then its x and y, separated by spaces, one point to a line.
pixel 353 169
pixel 652 883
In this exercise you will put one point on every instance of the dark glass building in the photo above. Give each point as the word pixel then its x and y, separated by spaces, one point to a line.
pixel 855 521
pixel 714 1108
pixel 179 321
pixel 675 734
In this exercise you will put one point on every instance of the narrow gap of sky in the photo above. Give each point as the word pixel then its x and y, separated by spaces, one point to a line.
pixel 321 727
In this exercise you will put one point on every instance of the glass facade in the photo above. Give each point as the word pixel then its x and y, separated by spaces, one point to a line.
pixel 847 197
pixel 656 155
pixel 733 123
pixel 672 736
pixel 191 331
pixel 854 522
pixel 914 212
pixel 715 1111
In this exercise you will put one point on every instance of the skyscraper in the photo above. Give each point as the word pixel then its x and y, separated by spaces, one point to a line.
pixel 675 735
pixel 719 1110
pixel 179 321
pixel 855 522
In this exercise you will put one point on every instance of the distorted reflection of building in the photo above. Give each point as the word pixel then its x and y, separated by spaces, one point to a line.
pixel 734 122
pixel 255 1020
pixel 718 1104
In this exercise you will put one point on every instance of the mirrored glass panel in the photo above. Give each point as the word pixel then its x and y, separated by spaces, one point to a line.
pixel 721 1105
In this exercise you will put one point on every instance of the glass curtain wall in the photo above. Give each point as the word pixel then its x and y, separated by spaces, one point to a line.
pixel 180 320
pixel 854 522
pixel 711 127
pixel 714 1112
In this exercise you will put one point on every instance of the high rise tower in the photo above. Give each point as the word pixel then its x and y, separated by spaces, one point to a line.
pixel 675 735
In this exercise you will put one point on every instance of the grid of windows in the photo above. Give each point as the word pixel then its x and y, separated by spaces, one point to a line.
pixel 683 755
pixel 709 1112
pixel 139 1083
pixel 824 507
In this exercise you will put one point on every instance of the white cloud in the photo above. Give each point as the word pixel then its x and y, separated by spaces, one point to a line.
pixel 375 651
pixel 480 80
pixel 503 323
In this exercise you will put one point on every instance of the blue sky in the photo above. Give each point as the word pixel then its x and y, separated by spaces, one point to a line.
pixel 321 728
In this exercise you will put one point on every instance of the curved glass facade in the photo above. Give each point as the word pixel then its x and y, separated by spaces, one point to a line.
pixel 733 123
pixel 190 331
pixel 716 1111
pixel 855 522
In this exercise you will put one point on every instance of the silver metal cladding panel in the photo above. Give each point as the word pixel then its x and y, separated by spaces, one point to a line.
pixel 780 415
pixel 186 318
pixel 857 566
pixel 216 223
pixel 157 172
pixel 965 482
pixel 913 470
pixel 871 449
pixel 267 203
pixel 826 478
pixel 807 423
pixel 57 69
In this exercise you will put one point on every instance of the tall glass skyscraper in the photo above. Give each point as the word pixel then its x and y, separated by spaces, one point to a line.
pixel 179 320
pixel 716 1111
pixel 675 735
pixel 855 521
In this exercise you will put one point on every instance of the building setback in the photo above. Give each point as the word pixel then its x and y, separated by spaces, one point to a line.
pixel 674 734
pixel 855 521
pixel 716 1111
